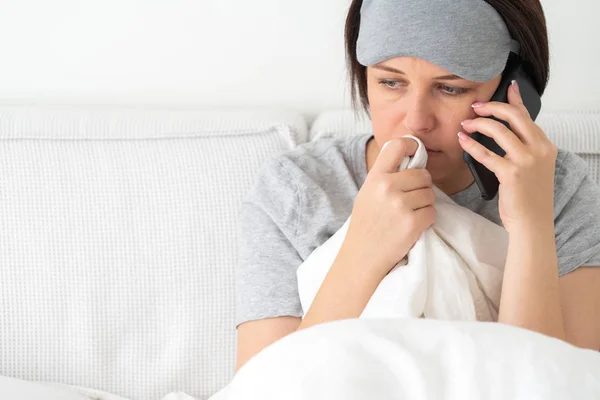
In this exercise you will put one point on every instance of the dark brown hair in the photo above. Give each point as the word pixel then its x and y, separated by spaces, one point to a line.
pixel 525 21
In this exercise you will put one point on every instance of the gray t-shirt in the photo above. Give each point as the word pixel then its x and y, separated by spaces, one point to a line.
pixel 301 198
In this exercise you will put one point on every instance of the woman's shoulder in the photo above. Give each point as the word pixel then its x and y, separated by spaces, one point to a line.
pixel 306 193
pixel 576 213
pixel 570 174
pixel 321 162
pixel 332 151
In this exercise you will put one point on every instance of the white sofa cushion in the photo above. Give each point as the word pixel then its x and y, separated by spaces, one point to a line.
pixel 576 132
pixel 17 389
pixel 118 243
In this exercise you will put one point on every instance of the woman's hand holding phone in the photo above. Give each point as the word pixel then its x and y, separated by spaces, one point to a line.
pixel 526 172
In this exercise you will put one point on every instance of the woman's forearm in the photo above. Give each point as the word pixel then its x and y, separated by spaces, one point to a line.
pixel 346 290
pixel 530 290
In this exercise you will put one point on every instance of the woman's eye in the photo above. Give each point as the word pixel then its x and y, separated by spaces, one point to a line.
pixel 390 84
pixel 449 90
pixel 453 91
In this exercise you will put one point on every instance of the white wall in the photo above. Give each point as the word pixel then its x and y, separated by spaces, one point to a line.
pixel 226 53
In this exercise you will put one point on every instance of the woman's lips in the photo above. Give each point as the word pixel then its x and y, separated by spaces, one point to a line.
pixel 433 153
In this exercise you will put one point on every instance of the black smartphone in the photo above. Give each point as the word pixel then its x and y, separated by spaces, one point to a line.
pixel 486 180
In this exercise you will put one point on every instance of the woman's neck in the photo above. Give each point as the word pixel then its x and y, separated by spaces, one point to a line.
pixel 456 185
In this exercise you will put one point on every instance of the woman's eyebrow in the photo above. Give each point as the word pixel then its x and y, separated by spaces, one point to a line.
pixel 397 71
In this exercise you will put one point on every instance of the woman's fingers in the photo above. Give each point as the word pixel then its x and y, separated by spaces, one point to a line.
pixel 392 153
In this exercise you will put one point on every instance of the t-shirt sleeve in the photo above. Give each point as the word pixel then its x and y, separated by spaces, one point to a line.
pixel 577 214
pixel 266 284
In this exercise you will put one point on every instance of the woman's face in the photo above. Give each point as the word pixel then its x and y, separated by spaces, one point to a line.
pixel 411 95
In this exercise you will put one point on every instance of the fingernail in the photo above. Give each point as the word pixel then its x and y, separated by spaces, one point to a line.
pixel 386 143
pixel 477 104
pixel 515 85
pixel 462 136
pixel 466 121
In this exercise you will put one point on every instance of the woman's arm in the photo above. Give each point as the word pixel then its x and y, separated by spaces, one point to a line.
pixel 347 288
pixel 253 336
pixel 390 212
pixel 530 290
pixel 580 299
pixel 344 294
pixel 535 298
pixel 533 295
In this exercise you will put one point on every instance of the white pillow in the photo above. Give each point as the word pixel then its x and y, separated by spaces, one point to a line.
pixel 118 242
pixel 340 123
pixel 16 389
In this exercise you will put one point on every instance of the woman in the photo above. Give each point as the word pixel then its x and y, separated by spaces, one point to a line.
pixel 547 203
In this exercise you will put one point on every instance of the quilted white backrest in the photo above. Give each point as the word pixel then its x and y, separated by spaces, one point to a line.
pixel 576 132
pixel 118 243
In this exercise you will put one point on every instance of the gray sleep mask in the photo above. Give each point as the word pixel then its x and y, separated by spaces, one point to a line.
pixel 466 37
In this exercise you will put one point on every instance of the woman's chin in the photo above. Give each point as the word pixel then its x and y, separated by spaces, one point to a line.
pixel 436 160
pixel 439 167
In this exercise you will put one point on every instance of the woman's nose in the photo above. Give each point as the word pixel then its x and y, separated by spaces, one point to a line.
pixel 419 115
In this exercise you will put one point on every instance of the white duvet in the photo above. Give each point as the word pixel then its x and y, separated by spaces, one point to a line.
pixel 417 359
pixel 412 359
pixel 17 389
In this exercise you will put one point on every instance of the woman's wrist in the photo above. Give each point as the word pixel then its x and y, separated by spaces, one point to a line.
pixel 534 228
pixel 351 281
pixel 364 261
